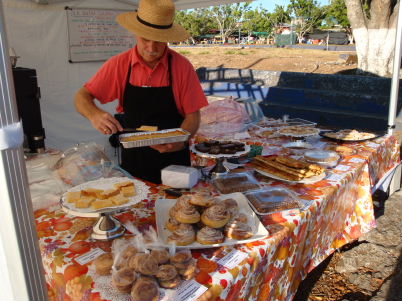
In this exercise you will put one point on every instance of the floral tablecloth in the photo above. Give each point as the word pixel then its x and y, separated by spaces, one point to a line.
pixel 340 211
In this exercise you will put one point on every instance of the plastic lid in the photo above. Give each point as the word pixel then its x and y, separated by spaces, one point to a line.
pixel 236 182
pixel 271 200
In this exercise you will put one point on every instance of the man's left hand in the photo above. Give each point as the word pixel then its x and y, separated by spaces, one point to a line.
pixel 169 147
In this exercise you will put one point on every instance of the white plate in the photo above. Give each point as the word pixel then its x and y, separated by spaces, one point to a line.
pixel 304 181
pixel 162 207
pixel 141 189
pixel 207 155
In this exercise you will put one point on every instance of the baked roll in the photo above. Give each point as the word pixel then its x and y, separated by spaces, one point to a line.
pixel 181 260
pixel 166 272
pixel 160 255
pixel 215 216
pixel 144 264
pixel 145 289
pixel 172 224
pixel 210 236
pixel 183 235
pixel 103 264
pixel 188 272
pixel 238 228
pixel 202 199
pixel 187 214
pixel 123 279
pixel 231 206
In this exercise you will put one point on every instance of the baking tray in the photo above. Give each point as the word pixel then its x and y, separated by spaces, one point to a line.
pixel 153 141
pixel 377 135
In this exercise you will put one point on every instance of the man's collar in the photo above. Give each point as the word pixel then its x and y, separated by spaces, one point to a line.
pixel 137 59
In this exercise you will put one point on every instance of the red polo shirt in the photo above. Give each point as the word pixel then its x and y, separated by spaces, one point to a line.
pixel 109 82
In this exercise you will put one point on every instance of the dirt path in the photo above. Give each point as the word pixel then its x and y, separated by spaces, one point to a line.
pixel 275 59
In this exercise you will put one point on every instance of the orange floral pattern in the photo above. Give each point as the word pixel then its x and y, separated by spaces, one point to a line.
pixel 339 210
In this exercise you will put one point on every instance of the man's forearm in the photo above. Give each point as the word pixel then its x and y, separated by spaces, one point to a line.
pixel 84 103
pixel 191 122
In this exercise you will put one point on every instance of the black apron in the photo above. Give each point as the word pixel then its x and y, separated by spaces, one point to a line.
pixel 153 106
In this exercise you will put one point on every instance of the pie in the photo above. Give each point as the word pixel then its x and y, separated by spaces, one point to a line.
pixel 350 135
pixel 298 131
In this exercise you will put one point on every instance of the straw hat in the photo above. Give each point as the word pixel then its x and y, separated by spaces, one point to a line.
pixel 154 21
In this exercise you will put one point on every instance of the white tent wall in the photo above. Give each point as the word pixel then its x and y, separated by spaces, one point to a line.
pixel 38 33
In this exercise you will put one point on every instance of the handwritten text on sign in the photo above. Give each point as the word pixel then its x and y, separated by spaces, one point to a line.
pixel 94 35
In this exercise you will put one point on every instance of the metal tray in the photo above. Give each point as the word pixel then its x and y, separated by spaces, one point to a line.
pixel 377 134
pixel 153 141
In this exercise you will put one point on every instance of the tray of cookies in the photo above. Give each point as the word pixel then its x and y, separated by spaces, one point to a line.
pixel 201 221
pixel 92 198
pixel 235 182
pixel 270 200
pixel 288 169
pixel 141 139
pixel 220 149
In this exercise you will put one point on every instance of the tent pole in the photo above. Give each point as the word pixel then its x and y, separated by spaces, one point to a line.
pixel 393 102
pixel 21 276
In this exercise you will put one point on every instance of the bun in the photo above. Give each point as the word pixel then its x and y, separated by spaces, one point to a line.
pixel 215 216
pixel 172 283
pixel 210 236
pixel 188 215
pixel 184 235
pixel 144 264
pixel 166 272
pixel 103 264
pixel 238 229
pixel 161 256
pixel 172 224
pixel 123 280
pixel 202 199
pixel 145 289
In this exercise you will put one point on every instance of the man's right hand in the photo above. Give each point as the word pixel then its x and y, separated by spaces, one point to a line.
pixel 105 123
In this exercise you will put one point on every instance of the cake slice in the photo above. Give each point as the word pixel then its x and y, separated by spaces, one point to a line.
pixel 91 192
pixel 119 200
pixel 128 191
pixel 106 194
pixel 73 196
pixel 99 204
pixel 84 202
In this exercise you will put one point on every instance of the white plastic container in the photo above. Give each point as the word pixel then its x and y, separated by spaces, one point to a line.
pixel 178 176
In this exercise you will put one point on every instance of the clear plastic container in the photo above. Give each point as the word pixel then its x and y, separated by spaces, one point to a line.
pixel 235 182
pixel 276 199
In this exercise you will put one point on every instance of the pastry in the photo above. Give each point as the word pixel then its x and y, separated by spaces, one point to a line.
pixel 184 235
pixel 123 184
pixel 119 200
pixel 166 272
pixel 210 236
pixel 128 191
pixel 153 135
pixel 73 196
pixel 123 279
pixel 188 272
pixel 172 224
pixel 123 257
pixel 237 229
pixel 84 202
pixel 172 283
pixel 147 128
pixel 187 214
pixel 93 192
pixel 160 255
pixel 145 289
pixel 144 263
pixel 99 204
pixel 343 150
pixel 215 216
pixel 202 199
pixel 231 206
pixel 108 193
pixel 181 260
pixel 103 264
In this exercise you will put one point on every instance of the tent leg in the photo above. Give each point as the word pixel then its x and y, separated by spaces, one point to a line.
pixel 21 276
pixel 393 102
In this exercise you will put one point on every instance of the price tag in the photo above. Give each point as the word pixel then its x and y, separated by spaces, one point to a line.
pixel 343 167
pixel 242 135
pixel 189 291
pixel 335 177
pixel 88 257
pixel 356 160
pixel 232 259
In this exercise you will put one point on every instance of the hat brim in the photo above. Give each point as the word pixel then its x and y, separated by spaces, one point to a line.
pixel 129 21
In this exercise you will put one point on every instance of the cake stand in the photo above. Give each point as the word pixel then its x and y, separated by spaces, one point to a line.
pixel 107 227
pixel 220 169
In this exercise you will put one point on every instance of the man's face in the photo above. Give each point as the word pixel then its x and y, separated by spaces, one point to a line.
pixel 150 51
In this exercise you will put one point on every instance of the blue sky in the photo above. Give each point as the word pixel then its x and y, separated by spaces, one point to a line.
pixel 270 4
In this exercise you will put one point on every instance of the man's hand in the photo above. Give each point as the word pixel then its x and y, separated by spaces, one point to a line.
pixel 105 123
pixel 169 147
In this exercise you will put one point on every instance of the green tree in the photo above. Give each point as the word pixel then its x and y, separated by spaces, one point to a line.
pixel 337 15
pixel 227 17
pixel 280 15
pixel 259 20
pixel 198 22
pixel 307 16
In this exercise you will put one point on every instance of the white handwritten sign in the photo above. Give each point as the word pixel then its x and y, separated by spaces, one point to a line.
pixel 94 35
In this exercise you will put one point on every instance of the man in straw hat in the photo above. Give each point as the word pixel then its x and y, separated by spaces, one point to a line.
pixel 155 86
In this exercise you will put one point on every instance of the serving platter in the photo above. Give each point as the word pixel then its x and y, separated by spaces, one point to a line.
pixel 162 207
pixel 324 134
pixel 216 156
pixel 141 189
pixel 309 180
